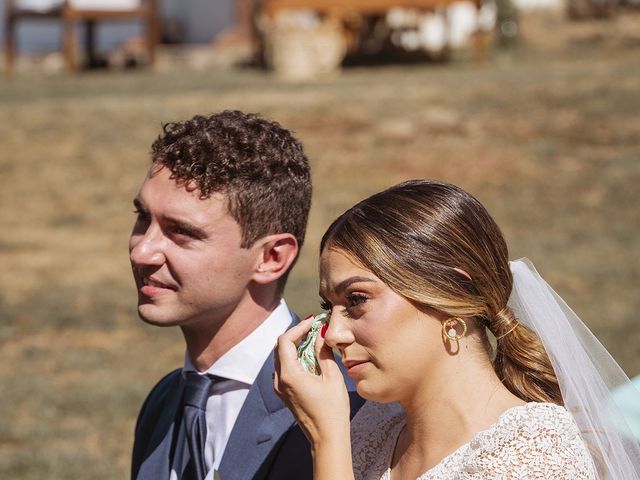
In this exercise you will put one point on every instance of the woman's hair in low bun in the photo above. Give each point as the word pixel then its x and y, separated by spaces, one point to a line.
pixel 417 237
pixel 521 361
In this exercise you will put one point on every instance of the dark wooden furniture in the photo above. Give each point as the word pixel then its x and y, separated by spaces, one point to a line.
pixel 146 12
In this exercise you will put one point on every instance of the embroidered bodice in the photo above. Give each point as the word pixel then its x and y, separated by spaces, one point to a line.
pixel 532 441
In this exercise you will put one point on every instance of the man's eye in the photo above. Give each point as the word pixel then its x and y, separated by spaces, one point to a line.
pixel 182 232
pixel 141 213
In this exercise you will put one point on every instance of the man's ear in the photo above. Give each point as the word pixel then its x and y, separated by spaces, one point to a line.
pixel 277 253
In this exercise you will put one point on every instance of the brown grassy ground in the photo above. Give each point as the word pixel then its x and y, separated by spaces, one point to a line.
pixel 547 136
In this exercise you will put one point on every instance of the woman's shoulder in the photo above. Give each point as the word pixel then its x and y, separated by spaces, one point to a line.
pixel 534 421
pixel 537 415
pixel 539 439
pixel 374 430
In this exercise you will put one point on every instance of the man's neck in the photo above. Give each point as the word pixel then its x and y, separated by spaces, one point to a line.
pixel 208 341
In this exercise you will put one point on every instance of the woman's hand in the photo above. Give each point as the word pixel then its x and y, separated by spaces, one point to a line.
pixel 319 402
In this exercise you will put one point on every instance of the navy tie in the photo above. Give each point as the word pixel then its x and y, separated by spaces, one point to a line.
pixel 194 402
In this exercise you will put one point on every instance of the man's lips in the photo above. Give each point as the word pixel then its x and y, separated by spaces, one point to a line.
pixel 151 287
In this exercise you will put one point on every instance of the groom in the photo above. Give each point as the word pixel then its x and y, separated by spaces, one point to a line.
pixel 221 216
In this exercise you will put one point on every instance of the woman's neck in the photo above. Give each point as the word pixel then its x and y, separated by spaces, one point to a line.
pixel 460 398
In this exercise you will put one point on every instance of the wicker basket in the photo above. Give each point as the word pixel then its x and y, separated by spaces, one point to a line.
pixel 298 51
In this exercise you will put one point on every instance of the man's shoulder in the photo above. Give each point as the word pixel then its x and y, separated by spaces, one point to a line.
pixel 160 393
pixel 155 417
pixel 166 384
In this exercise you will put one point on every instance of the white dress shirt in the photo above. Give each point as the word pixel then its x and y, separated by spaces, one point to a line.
pixel 238 368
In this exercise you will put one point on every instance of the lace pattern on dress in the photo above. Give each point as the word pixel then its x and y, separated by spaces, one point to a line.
pixel 533 441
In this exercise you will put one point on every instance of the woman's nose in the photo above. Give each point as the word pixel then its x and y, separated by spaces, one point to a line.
pixel 338 334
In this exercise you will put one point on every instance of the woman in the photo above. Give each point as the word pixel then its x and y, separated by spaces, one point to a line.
pixel 417 282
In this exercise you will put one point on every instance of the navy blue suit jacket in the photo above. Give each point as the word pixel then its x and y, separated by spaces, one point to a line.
pixel 265 443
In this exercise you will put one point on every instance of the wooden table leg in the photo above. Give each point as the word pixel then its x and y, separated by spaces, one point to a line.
pixel 481 39
pixel 90 43
pixel 10 44
pixel 69 45
pixel 152 37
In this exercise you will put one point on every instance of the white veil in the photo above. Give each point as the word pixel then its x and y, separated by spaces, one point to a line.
pixel 587 374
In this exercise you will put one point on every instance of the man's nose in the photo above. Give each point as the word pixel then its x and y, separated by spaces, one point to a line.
pixel 147 248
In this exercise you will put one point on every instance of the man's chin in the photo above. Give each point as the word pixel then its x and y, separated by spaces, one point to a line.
pixel 152 315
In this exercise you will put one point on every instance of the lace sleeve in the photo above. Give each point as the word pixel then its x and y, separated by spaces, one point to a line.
pixel 538 441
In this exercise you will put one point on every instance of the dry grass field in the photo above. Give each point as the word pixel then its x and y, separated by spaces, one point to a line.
pixel 547 136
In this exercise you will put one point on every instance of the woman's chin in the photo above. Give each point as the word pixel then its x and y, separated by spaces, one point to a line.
pixel 369 392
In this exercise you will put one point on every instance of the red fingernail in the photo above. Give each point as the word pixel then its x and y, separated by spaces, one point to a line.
pixel 323 330
pixel 308 317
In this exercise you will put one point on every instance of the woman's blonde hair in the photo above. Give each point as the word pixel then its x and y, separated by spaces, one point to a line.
pixel 416 237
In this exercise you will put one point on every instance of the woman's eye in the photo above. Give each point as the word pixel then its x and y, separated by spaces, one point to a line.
pixel 355 299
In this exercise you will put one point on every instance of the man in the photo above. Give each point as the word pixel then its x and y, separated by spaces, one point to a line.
pixel 221 216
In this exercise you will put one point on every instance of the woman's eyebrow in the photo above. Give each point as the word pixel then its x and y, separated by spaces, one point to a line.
pixel 355 279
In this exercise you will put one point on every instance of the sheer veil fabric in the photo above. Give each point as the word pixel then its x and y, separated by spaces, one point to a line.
pixel 586 372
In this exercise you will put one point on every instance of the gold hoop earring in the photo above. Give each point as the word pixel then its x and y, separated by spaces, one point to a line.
pixel 449 328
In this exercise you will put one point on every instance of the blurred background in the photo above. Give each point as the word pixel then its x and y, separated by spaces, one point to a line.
pixel 530 105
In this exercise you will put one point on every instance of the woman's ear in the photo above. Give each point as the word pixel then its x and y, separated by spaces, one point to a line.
pixel 277 253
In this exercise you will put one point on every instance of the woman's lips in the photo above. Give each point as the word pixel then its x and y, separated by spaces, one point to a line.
pixel 354 366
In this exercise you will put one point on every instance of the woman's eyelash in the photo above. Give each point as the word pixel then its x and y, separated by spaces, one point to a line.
pixel 356 299
pixel 353 301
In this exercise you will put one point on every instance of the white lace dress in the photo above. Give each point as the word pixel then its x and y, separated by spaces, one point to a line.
pixel 532 441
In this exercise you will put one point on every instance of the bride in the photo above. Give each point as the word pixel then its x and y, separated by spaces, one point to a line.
pixel 472 367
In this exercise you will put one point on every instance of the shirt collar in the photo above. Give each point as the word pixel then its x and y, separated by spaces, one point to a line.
pixel 245 359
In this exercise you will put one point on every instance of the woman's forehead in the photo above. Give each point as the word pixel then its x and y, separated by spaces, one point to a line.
pixel 338 270
pixel 333 260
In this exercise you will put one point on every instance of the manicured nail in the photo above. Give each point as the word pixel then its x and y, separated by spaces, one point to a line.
pixel 308 317
pixel 323 330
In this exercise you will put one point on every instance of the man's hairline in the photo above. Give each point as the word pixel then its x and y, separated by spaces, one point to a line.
pixel 191 185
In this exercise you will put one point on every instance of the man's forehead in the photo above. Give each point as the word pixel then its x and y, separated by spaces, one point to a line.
pixel 162 190
pixel 161 174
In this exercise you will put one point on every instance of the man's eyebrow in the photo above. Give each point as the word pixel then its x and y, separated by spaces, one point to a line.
pixel 186 226
pixel 193 230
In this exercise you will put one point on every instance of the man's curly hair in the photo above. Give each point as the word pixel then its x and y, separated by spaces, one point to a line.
pixel 257 164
